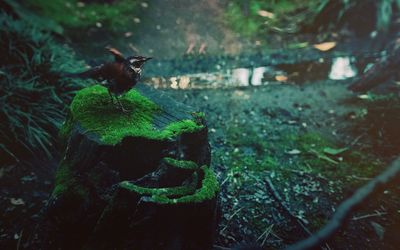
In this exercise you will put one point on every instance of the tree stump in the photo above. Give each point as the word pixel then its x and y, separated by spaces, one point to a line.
pixel 139 180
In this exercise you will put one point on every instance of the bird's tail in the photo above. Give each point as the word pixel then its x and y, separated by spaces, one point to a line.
pixel 91 73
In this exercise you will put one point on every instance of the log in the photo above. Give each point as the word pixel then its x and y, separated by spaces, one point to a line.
pixel 139 180
pixel 382 71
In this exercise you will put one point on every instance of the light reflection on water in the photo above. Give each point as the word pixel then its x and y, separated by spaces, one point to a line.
pixel 340 68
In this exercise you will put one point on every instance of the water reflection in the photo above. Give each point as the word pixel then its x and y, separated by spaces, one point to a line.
pixel 342 68
pixel 337 69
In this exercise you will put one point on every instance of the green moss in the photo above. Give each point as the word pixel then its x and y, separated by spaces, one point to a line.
pixel 208 190
pixel 66 128
pixel 176 128
pixel 185 194
pixel 170 191
pixel 92 108
pixel 73 14
pixel 181 163
pixel 66 183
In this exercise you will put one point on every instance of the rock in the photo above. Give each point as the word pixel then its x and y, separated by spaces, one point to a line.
pixel 131 181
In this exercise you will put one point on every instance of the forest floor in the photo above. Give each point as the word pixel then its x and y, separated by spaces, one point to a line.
pixel 282 134
pixel 312 141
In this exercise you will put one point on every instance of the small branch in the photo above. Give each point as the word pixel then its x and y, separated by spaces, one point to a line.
pixel 20 239
pixel 369 215
pixel 265 234
pixel 337 221
pixel 229 219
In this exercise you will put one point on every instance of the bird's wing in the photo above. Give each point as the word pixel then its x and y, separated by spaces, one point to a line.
pixel 94 73
pixel 119 57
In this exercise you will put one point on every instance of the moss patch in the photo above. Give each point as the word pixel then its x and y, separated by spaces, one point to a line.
pixel 181 163
pixel 66 183
pixel 93 109
pixel 186 194
pixel 170 191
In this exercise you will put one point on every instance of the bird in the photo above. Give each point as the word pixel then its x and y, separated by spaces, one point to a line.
pixel 118 76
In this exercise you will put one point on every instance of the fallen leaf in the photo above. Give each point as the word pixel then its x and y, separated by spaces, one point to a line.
pixel 17 202
pixel 325 46
pixel 294 152
pixel 365 97
pixel 281 78
pixel 334 151
pixel 265 13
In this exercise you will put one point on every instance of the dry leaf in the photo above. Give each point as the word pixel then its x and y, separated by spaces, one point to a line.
pixel 265 13
pixel 281 78
pixel 17 202
pixel 325 46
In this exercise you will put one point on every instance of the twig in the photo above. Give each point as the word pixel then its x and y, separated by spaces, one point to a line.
pixel 354 142
pixel 229 219
pixel 369 215
pixel 267 232
pixel 20 239
pixel 344 209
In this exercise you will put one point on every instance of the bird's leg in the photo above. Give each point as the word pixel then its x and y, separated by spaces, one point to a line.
pixel 121 106
pixel 111 96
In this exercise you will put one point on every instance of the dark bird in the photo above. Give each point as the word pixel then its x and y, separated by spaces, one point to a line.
pixel 119 76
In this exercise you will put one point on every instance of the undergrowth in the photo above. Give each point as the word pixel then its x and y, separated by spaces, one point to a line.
pixel 255 18
pixel 32 95
pixel 85 14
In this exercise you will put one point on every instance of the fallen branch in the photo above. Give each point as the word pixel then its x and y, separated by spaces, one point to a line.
pixel 346 207
pixel 381 72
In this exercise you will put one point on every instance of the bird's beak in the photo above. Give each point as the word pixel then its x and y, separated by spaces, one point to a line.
pixel 147 58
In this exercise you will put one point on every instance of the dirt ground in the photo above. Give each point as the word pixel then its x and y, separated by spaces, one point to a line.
pixel 270 113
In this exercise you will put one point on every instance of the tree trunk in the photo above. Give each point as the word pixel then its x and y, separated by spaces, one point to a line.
pixel 131 181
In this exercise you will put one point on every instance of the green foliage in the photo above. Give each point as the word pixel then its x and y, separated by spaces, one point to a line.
pixel 93 110
pixel 32 95
pixel 77 14
pixel 244 16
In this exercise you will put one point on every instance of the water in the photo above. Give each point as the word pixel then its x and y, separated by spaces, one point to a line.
pixel 339 68
pixel 342 69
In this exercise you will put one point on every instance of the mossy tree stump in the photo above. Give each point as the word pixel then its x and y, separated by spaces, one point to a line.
pixel 132 181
